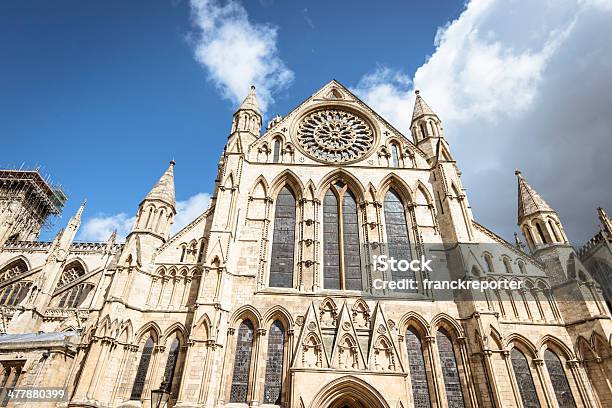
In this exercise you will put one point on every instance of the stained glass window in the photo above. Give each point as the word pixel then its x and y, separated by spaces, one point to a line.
pixel 418 374
pixel 75 296
pixel 281 266
pixel 352 260
pixel 242 362
pixel 522 373
pixel 71 273
pixel 14 294
pixel 274 365
pixel 559 380
pixel 398 242
pixel 143 369
pixel 331 242
pixel 13 269
pixel 450 373
pixel 173 354
pixel 341 240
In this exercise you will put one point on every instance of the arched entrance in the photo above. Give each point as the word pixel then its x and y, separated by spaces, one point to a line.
pixel 349 392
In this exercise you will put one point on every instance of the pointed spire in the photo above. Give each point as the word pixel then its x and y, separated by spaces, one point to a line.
pixel 605 220
pixel 420 107
pixel 75 221
pixel 529 201
pixel 164 189
pixel 250 102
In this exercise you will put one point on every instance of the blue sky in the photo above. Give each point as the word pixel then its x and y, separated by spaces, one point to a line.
pixel 102 95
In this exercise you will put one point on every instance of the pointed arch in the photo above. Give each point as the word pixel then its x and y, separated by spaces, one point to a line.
pixel 348 388
pixel 340 174
pixel 392 180
pixel 202 327
pixel 126 332
pixel 246 312
pixel 149 328
pixel 103 329
pixel 443 320
pixel 414 319
pixel 278 312
pixel 286 177
pixel 260 188
pixel 421 190
pixel 229 180
pixel 523 343
pixel 14 267
pixel 549 341
pixel 75 269
pixel 175 328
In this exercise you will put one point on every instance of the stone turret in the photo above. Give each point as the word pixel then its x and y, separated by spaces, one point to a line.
pixel 156 212
pixel 538 221
pixel 247 117
pixel 426 128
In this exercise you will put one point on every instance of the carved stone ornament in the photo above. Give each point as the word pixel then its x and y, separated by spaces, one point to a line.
pixel 335 135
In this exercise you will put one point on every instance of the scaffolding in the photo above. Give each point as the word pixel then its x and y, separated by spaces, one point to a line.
pixel 27 200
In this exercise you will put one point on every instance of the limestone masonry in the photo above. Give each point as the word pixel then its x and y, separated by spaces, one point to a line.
pixel 267 298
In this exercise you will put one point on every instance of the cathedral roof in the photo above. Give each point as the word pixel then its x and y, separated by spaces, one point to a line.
pixel 250 102
pixel 529 201
pixel 420 107
pixel 164 189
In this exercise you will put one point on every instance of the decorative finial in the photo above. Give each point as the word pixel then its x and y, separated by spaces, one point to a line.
pixel 172 162
pixel 252 88
pixel 417 92
pixel 517 172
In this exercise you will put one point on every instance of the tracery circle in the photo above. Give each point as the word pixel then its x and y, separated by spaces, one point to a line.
pixel 335 135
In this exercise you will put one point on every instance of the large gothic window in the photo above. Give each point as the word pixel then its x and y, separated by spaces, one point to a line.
pixel 524 380
pixel 242 362
pixel 75 296
pixel 341 259
pixel 14 294
pixel 559 380
pixel 13 269
pixel 173 355
pixel 450 373
pixel 418 374
pixel 398 242
pixel 72 272
pixel 143 369
pixel 283 240
pixel 274 365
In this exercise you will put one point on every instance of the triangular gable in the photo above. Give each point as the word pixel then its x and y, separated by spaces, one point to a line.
pixel 380 332
pixel 323 94
pixel 347 353
pixel 310 343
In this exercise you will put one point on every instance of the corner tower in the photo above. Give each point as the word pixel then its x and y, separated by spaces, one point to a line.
pixel 426 127
pixel 537 220
pixel 156 212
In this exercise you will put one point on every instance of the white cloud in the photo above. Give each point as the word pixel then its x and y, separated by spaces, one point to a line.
pixel 389 93
pixel 100 227
pixel 189 210
pixel 519 84
pixel 238 53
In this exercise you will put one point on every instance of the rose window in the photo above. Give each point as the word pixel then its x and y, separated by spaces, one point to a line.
pixel 335 135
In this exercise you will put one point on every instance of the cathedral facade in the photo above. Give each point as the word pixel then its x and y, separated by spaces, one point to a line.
pixel 269 299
